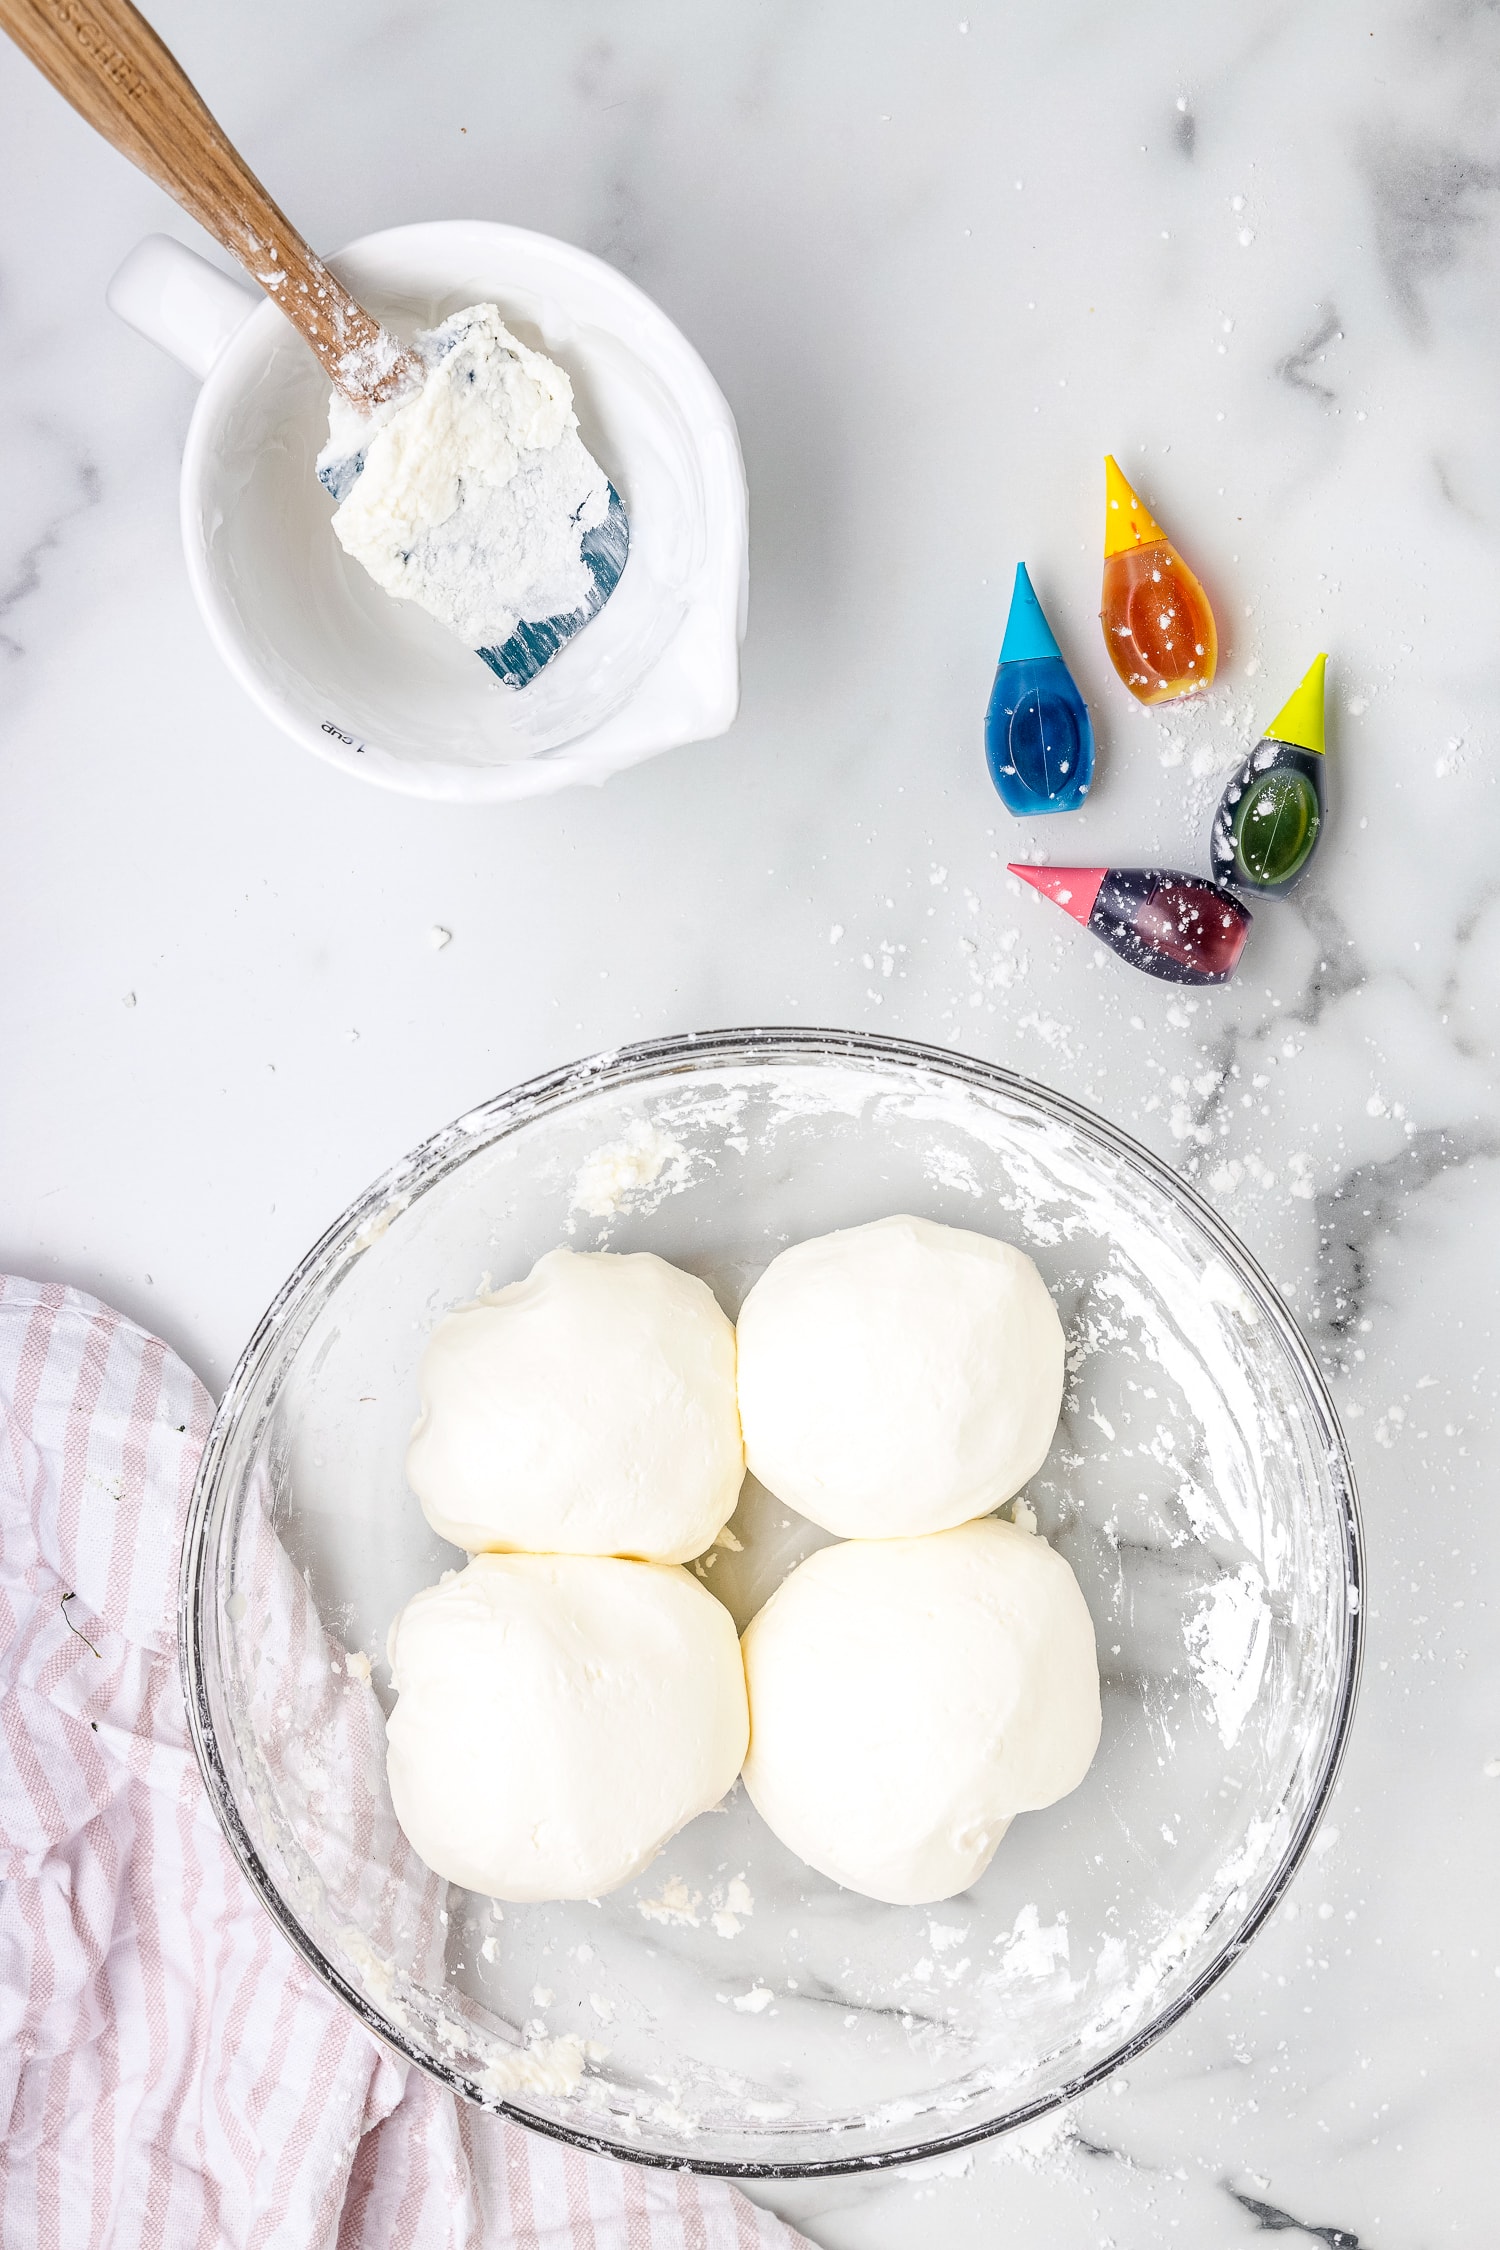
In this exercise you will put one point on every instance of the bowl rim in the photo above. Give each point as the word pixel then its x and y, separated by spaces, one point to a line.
pixel 623 1066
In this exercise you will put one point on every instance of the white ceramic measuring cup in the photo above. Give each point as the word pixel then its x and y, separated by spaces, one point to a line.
pixel 375 685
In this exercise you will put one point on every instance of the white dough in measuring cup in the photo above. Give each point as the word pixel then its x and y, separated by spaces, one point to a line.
pixel 908 1697
pixel 898 1378
pixel 475 491
pixel 589 1409
pixel 558 1718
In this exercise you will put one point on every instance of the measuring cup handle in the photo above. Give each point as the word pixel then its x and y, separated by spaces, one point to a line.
pixel 178 300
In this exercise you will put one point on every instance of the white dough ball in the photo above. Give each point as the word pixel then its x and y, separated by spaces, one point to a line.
pixel 587 1410
pixel 909 1696
pixel 898 1378
pixel 558 1718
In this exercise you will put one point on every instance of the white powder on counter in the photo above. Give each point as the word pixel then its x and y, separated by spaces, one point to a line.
pixel 476 490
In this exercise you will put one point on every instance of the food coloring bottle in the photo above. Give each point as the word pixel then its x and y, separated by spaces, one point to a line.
pixel 1038 737
pixel 1271 816
pixel 1158 627
pixel 1175 926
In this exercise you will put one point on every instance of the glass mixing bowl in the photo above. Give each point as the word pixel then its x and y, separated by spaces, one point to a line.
pixel 732 2011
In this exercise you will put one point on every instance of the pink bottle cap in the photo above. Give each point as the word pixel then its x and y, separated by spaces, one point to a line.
pixel 1074 889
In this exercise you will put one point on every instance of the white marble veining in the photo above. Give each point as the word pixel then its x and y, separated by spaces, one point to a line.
pixel 940 260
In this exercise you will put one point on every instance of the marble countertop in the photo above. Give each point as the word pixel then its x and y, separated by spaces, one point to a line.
pixel 940 261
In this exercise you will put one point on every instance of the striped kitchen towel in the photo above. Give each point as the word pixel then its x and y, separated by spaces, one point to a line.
pixel 171 2073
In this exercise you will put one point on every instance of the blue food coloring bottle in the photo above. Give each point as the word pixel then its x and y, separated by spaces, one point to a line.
pixel 1038 737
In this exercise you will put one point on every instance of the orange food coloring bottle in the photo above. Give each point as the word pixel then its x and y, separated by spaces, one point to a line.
pixel 1158 627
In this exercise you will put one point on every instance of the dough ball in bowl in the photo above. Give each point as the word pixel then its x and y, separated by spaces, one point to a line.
pixel 909 1696
pixel 898 1378
pixel 587 1410
pixel 558 1718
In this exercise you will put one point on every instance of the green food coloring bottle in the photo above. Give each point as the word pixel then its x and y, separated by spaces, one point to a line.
pixel 1272 813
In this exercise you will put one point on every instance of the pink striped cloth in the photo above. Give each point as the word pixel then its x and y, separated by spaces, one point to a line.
pixel 171 2074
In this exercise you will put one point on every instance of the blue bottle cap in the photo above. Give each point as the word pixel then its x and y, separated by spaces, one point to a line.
pixel 1027 633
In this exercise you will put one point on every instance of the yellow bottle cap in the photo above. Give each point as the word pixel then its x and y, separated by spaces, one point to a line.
pixel 1126 522
pixel 1300 719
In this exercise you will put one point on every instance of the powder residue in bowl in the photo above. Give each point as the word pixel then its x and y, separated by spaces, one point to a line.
pixel 548 2066
pixel 618 1173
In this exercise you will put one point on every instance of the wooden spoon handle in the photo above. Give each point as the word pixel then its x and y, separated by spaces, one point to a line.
pixel 106 60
